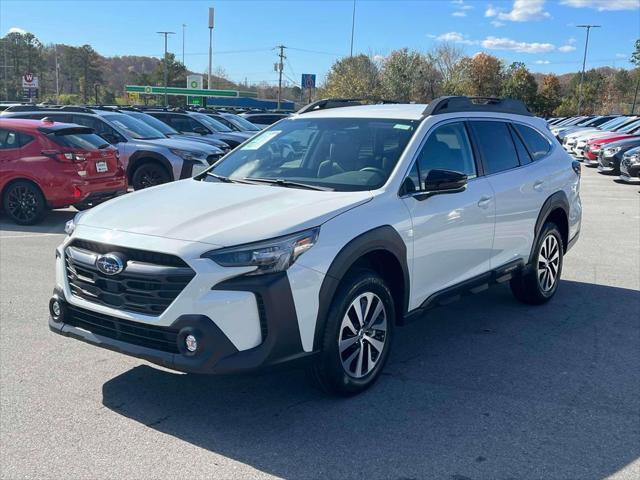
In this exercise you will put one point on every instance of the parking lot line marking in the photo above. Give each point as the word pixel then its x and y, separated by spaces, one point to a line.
pixel 30 235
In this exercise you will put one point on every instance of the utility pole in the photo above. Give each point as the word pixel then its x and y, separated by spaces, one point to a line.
pixel 95 87
pixel 166 70
pixel 280 68
pixel 55 51
pixel 183 28
pixel 635 96
pixel 210 46
pixel 353 25
pixel 584 61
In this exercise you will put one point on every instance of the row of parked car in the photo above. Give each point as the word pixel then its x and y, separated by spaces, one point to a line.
pixel 57 156
pixel 609 142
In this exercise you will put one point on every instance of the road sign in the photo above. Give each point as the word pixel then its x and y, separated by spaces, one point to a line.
pixel 150 90
pixel 29 81
pixel 308 80
pixel 194 81
pixel 195 101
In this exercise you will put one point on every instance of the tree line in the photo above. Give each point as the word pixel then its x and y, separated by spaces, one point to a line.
pixel 411 76
pixel 85 76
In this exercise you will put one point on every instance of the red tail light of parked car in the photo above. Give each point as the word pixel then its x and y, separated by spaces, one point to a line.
pixel 44 164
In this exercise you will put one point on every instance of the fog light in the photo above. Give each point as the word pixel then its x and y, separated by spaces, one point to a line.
pixel 55 308
pixel 191 343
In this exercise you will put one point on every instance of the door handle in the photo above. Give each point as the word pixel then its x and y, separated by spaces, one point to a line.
pixel 538 185
pixel 484 201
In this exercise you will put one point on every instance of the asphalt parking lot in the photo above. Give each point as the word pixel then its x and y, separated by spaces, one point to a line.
pixel 485 388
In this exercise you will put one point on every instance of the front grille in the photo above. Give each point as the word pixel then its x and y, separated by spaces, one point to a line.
pixel 148 284
pixel 150 336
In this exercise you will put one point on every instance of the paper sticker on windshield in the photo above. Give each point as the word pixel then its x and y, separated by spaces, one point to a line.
pixel 260 140
pixel 402 126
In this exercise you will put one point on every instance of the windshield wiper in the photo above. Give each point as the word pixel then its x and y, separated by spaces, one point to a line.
pixel 229 180
pixel 286 183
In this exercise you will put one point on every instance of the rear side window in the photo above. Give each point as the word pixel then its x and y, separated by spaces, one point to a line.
pixel 80 141
pixel 9 139
pixel 537 145
pixel 496 146
pixel 523 153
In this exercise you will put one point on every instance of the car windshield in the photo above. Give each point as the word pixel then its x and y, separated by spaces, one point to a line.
pixel 78 140
pixel 132 127
pixel 211 123
pixel 154 123
pixel 613 123
pixel 241 122
pixel 623 125
pixel 631 127
pixel 343 154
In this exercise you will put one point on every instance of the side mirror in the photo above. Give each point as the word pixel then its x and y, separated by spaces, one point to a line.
pixel 201 130
pixel 444 181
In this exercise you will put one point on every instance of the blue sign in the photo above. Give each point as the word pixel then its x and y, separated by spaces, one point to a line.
pixel 308 80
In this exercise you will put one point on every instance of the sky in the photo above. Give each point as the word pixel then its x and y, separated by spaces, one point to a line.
pixel 542 34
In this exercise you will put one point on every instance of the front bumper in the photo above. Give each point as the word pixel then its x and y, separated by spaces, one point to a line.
pixel 629 173
pixel 216 352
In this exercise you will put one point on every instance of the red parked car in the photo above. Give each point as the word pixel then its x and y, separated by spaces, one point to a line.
pixel 592 150
pixel 45 164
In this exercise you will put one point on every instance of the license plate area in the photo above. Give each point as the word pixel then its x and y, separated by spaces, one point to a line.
pixel 102 167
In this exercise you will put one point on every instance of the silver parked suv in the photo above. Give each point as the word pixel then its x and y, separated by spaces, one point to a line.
pixel 149 157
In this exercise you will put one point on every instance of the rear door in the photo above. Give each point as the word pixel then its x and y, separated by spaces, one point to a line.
pixel 520 180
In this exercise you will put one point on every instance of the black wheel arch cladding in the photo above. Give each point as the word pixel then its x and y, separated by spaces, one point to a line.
pixel 557 201
pixel 384 239
pixel 144 156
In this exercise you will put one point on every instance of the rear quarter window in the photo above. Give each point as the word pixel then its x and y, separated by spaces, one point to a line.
pixel 536 143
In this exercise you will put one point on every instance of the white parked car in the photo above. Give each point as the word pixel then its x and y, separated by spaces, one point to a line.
pixel 320 236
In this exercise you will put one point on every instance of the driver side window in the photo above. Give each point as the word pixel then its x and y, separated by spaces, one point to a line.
pixel 447 148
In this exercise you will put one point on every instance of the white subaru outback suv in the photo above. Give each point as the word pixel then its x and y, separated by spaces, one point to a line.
pixel 317 238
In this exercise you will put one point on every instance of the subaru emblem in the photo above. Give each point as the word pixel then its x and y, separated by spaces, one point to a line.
pixel 110 264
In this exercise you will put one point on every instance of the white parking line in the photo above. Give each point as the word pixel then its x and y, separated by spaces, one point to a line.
pixel 30 235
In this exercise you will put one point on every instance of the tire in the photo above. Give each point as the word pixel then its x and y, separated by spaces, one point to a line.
pixel 354 367
pixel 82 206
pixel 540 284
pixel 24 203
pixel 149 174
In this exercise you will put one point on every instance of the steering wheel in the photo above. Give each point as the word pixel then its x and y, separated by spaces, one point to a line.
pixel 379 171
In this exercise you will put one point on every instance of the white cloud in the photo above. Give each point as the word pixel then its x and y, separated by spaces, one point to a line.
pixel 522 11
pixel 379 58
pixel 467 7
pixel 459 14
pixel 621 55
pixel 17 30
pixel 497 23
pixel 571 41
pixel 542 62
pixel 495 43
pixel 566 48
pixel 602 5
pixel 455 37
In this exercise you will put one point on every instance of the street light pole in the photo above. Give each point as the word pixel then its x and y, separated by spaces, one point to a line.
pixel 183 28
pixel 584 61
pixel 353 25
pixel 210 46
pixel 166 71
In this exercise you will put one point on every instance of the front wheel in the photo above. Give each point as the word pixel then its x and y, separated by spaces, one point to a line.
pixel 148 175
pixel 357 336
pixel 540 284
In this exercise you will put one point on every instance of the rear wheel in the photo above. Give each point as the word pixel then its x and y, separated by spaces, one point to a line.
pixel 540 284
pixel 357 337
pixel 24 203
pixel 148 175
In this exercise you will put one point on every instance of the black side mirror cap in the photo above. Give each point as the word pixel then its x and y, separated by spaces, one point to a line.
pixel 443 181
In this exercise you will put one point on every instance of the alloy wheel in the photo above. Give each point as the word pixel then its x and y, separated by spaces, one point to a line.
pixel 151 177
pixel 22 203
pixel 548 263
pixel 363 335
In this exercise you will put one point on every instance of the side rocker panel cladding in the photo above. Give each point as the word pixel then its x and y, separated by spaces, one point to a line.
pixel 381 238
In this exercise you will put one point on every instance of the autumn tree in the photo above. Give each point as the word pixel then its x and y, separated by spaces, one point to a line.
pixel 519 83
pixel 483 75
pixel 549 97
pixel 409 76
pixel 356 76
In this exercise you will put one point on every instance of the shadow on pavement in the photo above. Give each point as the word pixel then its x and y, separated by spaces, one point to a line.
pixel 53 222
pixel 485 388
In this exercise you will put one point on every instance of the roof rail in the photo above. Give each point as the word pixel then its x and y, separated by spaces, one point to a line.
pixel 327 103
pixel 48 108
pixel 443 105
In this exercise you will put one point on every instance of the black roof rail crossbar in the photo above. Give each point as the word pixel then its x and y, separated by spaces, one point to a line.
pixel 327 103
pixel 48 108
pixel 442 105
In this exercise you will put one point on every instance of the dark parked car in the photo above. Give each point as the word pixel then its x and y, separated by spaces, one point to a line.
pixel 610 157
pixel 630 166
pixel 263 120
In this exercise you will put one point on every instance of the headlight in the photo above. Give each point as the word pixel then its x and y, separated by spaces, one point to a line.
pixel 633 159
pixel 610 152
pixel 269 256
pixel 70 226
pixel 188 154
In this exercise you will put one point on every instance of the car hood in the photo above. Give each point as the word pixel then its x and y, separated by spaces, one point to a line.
pixel 183 144
pixel 613 138
pixel 630 142
pixel 220 214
